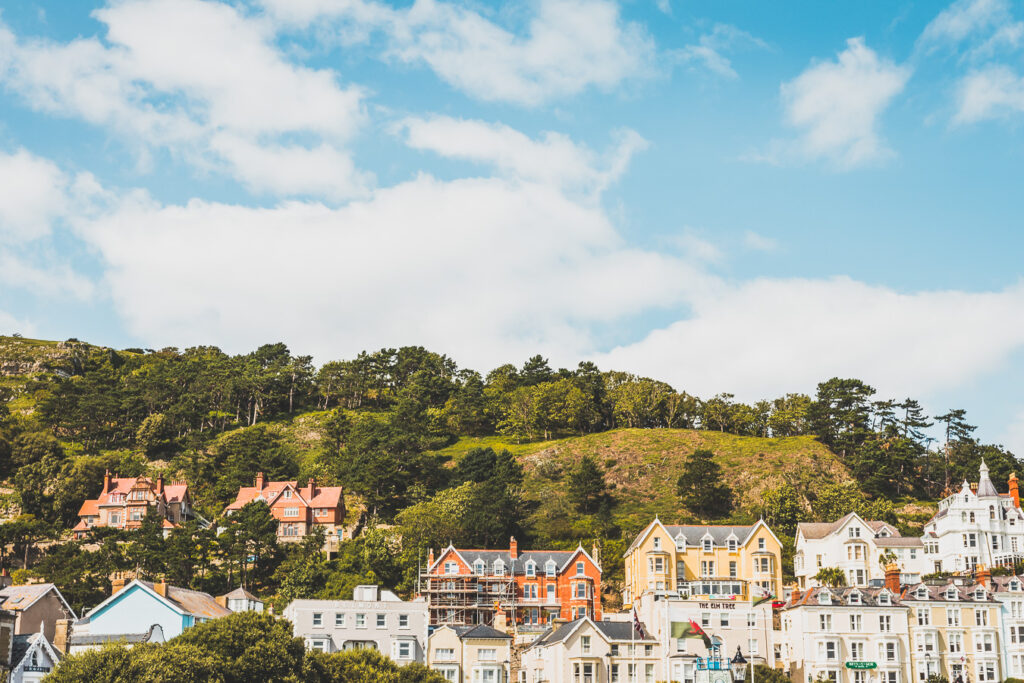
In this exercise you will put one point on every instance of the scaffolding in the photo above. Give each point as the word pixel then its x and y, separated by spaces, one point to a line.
pixel 467 600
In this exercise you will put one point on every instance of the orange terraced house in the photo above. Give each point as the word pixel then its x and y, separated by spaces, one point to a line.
pixel 526 589
pixel 297 509
pixel 123 502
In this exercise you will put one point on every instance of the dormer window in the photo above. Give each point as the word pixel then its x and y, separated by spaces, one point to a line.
pixel 531 568
pixel 1015 585
pixel 550 568
pixel 680 543
pixel 287 493
pixel 921 593
pixel 854 598
pixel 478 567
pixel 951 594
pixel 732 545
pixel 979 594
pixel 824 598
pixel 499 568
pixel 883 598
pixel 707 543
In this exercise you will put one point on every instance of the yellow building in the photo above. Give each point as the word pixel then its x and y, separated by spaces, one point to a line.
pixel 704 562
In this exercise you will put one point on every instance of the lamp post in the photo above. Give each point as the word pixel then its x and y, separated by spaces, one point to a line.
pixel 738 665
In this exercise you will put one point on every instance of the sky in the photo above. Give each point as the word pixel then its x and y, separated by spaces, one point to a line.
pixel 729 196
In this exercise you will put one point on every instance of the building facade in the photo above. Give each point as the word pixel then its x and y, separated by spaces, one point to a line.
pixel 593 651
pixel 954 631
pixel 297 509
pixel 124 501
pixel 976 526
pixel 32 658
pixel 35 606
pixel 704 562
pixel 846 635
pixel 375 619
pixel 860 548
pixel 731 624
pixel 134 608
pixel 1009 591
pixel 470 654
pixel 534 587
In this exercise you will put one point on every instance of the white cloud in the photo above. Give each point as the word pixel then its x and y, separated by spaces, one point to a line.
pixel 752 240
pixel 664 6
pixel 568 46
pixel 33 196
pixel 770 336
pixel 837 106
pixel 554 160
pixel 49 280
pixel 709 52
pixel 178 73
pixel 11 325
pixel 696 247
pixel 514 267
pixel 963 19
pixel 988 93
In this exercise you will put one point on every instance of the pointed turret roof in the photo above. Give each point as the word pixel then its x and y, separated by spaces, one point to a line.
pixel 985 486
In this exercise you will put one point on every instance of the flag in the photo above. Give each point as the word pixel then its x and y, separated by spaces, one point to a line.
pixel 761 595
pixel 766 598
pixel 637 626
pixel 682 629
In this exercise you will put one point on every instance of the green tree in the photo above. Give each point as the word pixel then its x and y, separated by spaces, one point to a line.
pixel 831 576
pixel 841 414
pixel 146 550
pixel 587 488
pixel 701 488
pixel 250 541
pixel 155 435
pixel 782 509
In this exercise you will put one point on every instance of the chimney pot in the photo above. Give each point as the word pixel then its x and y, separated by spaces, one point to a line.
pixel 1014 491
pixel 161 588
pixel 259 481
pixel 159 484
pixel 892 578
pixel 106 481
pixel 513 548
pixel 430 558
pixel 983 575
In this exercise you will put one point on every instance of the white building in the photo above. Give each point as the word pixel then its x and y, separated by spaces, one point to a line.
pixel 375 618
pixel 470 654
pixel 846 635
pixel 1009 591
pixel 733 624
pixel 975 525
pixel 861 548
pixel 588 651
pixel 32 658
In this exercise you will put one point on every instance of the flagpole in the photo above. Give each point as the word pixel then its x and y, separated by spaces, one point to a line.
pixel 668 636
pixel 750 634
pixel 632 648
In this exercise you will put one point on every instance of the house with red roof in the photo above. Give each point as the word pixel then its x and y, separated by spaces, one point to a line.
pixel 531 588
pixel 124 501
pixel 297 509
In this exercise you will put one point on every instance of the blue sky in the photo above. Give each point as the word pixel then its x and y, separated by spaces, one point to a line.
pixel 729 196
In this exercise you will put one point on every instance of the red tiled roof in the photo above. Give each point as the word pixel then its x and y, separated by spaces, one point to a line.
pixel 175 493
pixel 90 508
pixel 326 496
pixel 81 526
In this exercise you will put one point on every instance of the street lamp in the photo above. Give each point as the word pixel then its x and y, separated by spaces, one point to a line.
pixel 738 666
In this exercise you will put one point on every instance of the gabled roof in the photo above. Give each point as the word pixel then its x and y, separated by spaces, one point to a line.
pixel 841 597
pixel 938 592
pixel 240 594
pixel 181 600
pixel 479 632
pixel 618 631
pixel 695 533
pixel 155 634
pixel 19 598
pixel 517 567
pixel 21 645
pixel 816 530
pixel 323 496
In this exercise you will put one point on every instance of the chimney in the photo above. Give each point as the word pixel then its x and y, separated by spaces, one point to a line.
pixel 117 582
pixel 259 481
pixel 500 620
pixel 161 588
pixel 794 597
pixel 61 635
pixel 1014 493
pixel 430 558
pixel 5 579
pixel 222 600
pixel 595 552
pixel 159 484
pixel 983 576
pixel 311 488
pixel 513 547
pixel 892 577
pixel 974 488
pixel 106 481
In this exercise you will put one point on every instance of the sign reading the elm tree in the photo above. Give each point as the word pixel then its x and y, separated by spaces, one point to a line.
pixel 861 665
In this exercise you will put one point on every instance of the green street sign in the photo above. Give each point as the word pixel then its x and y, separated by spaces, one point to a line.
pixel 861 665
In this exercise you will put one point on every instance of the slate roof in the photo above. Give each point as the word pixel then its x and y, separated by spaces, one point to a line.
pixel 20 646
pixel 840 597
pixel 816 530
pixel 240 594
pixel 613 630
pixel 1000 583
pixel 899 541
pixel 480 632
pixel 17 598
pixel 938 593
pixel 86 639
pixel 196 603
pixel 517 567
pixel 720 534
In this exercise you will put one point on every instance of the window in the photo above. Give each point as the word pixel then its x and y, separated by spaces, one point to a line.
pixel 291 512
pixel 986 672
pixel 956 642
pixel 499 568
pixel 923 616
pixel 680 543
pixel 649 673
pixel 981 617
pixel 478 567
pixel 530 591
pixel 657 543
pixel 887 652
pixel 857 652
pixel 115 519
pixel 360 621
pixel 724 619
pixel 751 619
pixel 550 568
pixel 827 649
pixel 551 592
pixel 762 544
pixel 531 568
pixel 856 623
pixel 444 654
pixel 854 532
pixel 486 654
pixel 707 569
pixel 581 589
pixel 763 564
pixel 983 643
pixel 382 621
pixel 752 646
pixel 452 568
pixel 952 617
pixel 318 619
pixel 854 598
pixel 705 619
pixel 706 543
pixel 403 621
pixel 585 644
pixel 287 493
pixel 655 565
pixel 885 623
pixel 825 622
pixel 732 545
pixel 883 599
pixel 339 619
pixel 404 649
pixel 579 569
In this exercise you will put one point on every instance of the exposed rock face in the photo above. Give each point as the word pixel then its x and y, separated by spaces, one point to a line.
pixel 26 357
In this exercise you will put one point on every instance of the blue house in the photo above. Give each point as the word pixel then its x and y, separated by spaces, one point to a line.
pixel 139 605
